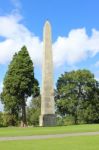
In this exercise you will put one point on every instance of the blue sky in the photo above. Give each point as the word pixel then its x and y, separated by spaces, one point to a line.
pixel 75 28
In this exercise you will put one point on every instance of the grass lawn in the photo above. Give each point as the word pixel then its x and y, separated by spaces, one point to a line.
pixel 17 131
pixel 68 143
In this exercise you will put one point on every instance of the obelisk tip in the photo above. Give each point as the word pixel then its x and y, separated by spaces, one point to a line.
pixel 47 23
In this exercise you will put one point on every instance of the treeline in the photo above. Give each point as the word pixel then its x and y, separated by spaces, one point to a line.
pixel 76 95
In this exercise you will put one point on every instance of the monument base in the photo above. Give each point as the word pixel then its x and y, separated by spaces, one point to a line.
pixel 47 120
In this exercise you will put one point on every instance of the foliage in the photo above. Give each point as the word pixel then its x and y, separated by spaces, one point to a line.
pixel 19 84
pixel 33 111
pixel 1 119
pixel 66 120
pixel 77 95
pixel 6 119
pixel 9 99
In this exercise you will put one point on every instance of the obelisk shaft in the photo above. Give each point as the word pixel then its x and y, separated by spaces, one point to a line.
pixel 47 93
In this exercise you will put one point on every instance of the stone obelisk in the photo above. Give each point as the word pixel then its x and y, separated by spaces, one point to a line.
pixel 47 117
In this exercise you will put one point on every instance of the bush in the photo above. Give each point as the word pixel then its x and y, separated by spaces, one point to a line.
pixel 1 119
pixel 67 120
pixel 7 119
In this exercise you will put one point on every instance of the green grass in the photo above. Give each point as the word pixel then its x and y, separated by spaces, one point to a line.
pixel 17 131
pixel 68 143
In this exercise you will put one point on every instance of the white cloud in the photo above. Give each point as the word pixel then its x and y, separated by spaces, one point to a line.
pixel 97 79
pixel 97 64
pixel 17 4
pixel 72 49
pixel 76 47
pixel 1 86
pixel 93 42
pixel 16 35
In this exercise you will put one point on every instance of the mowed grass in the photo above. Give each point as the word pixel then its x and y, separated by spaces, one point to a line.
pixel 18 131
pixel 68 143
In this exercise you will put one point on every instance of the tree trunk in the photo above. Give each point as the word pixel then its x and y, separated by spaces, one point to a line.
pixel 75 119
pixel 23 120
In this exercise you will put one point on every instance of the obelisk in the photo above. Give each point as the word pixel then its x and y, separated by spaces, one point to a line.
pixel 47 117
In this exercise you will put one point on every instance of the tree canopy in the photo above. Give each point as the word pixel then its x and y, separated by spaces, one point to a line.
pixel 19 84
pixel 77 95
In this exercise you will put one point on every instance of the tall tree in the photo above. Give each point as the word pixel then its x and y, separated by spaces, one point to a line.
pixel 10 100
pixel 19 83
pixel 78 95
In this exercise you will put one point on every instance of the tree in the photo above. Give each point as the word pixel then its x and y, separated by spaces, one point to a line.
pixel 78 95
pixel 33 111
pixel 10 100
pixel 19 84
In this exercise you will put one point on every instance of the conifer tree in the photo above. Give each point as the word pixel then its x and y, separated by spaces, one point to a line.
pixel 19 84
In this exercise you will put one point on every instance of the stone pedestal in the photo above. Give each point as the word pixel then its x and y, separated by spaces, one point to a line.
pixel 48 120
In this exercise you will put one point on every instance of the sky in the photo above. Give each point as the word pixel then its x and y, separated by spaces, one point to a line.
pixel 75 34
